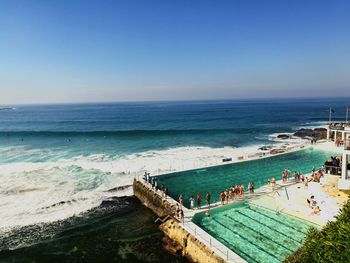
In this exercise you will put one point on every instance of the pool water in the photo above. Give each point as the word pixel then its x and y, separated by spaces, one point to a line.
pixel 256 234
pixel 218 178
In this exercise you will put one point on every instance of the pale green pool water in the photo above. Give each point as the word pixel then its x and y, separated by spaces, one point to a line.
pixel 256 234
pixel 218 178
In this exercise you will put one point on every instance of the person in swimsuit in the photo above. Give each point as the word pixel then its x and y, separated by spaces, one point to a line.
pixel 207 198
pixel 181 216
pixel 192 202
pixel 177 210
pixel 199 199
pixel 181 200
pixel 316 211
pixel 222 197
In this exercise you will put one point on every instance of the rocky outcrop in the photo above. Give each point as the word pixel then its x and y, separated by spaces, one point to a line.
pixel 265 148
pixel 317 133
pixel 283 136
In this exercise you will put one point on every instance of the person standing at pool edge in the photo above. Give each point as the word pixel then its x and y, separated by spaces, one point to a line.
pixel 181 200
pixel 191 202
pixel 199 199
pixel 207 198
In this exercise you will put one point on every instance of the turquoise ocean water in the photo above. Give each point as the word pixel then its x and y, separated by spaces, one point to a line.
pixel 61 162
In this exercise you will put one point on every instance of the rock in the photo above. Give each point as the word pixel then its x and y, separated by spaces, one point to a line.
pixel 265 148
pixel 283 136
pixel 304 133
pixel 317 133
pixel 171 246
pixel 276 151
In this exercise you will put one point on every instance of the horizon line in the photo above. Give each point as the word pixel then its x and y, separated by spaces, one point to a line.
pixel 176 100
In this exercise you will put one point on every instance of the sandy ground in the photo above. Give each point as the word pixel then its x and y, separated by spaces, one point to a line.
pixel 292 200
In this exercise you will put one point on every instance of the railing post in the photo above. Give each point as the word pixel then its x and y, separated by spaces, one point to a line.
pixel 210 242
pixel 227 254
pixel 195 231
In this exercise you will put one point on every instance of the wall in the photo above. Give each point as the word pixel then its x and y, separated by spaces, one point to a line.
pixel 149 198
pixel 195 250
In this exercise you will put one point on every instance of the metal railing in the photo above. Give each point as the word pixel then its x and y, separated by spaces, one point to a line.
pixel 337 125
pixel 209 240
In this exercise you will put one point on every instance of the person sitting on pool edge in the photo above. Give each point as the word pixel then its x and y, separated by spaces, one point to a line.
pixel 316 211
pixel 310 201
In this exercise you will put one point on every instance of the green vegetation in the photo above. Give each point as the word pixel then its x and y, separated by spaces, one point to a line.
pixel 346 191
pixel 330 244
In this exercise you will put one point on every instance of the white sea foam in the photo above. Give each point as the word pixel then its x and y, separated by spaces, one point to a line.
pixel 34 192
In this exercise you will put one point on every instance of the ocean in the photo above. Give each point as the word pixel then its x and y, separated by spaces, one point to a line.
pixel 66 170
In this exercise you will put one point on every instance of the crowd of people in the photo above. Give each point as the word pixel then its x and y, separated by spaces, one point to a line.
pixel 153 183
pixel 237 191
pixel 297 177
pixel 333 165
pixel 234 192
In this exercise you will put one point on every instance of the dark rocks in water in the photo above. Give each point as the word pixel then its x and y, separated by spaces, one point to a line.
pixel 283 136
pixel 320 129
pixel 171 246
pixel 304 133
pixel 119 188
pixel 115 201
pixel 265 148
pixel 124 234
pixel 317 133
pixel 276 151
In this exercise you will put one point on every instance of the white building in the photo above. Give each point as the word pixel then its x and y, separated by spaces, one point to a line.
pixel 340 134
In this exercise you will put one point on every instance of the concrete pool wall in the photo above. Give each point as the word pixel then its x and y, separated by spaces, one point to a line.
pixel 199 245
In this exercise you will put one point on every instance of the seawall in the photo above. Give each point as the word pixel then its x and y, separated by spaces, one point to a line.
pixel 192 248
pixel 161 207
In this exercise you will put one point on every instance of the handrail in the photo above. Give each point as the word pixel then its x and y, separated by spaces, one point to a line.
pixel 211 245
pixel 164 219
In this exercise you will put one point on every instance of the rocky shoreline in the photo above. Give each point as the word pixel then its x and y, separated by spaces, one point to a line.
pixel 316 134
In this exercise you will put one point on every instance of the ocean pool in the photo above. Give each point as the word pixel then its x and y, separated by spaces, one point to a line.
pixel 257 235
pixel 217 178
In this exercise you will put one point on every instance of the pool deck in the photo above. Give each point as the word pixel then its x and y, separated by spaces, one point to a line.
pixel 328 199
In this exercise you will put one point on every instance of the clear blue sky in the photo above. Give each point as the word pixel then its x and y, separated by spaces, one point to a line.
pixel 84 51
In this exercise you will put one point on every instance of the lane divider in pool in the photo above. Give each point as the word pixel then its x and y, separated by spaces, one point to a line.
pixel 236 249
pixel 247 240
pixel 275 230
pixel 278 221
pixel 261 234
